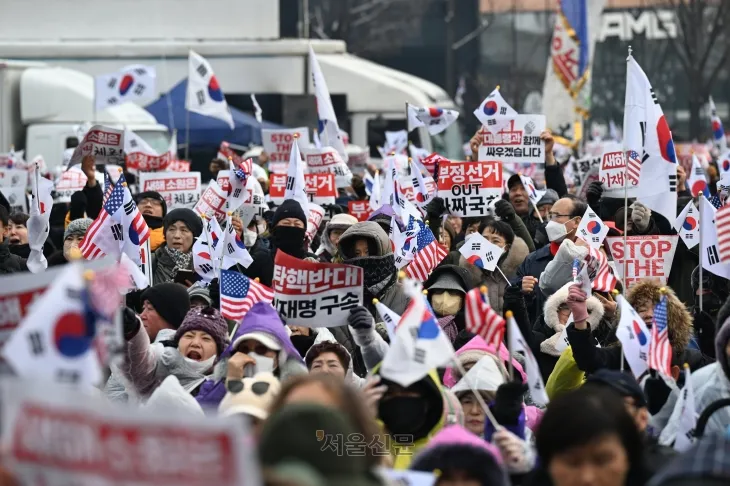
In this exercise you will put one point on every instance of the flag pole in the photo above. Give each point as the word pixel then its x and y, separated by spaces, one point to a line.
pixel 509 315
pixel 618 296
pixel 702 196
pixel 626 216
pixel 187 134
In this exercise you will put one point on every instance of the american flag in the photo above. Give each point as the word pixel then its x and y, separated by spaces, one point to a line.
pixel 604 280
pixel 239 293
pixel 715 201
pixel 633 166
pixel 660 349
pixel 481 319
pixel 106 288
pixel 99 239
pixel 576 268
pixel 429 253
pixel 722 223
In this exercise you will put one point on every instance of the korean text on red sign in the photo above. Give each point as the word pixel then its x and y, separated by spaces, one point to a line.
pixel 213 202
pixel 315 294
pixel 142 162
pixel 329 160
pixel 105 144
pixel 468 187
pixel 518 142
pixel 54 438
pixel 360 209
pixel 320 188
pixel 180 189
pixel 645 257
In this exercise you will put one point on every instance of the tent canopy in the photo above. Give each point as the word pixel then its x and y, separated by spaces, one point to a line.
pixel 205 132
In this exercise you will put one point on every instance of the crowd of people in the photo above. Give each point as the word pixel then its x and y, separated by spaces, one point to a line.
pixel 601 427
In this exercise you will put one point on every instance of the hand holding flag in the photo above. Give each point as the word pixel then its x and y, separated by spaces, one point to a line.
pixel 660 349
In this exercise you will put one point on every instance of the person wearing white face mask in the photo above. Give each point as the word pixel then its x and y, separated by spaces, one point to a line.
pixel 565 217
pixel 190 356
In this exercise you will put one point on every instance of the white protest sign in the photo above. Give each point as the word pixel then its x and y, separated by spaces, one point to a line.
pixel 328 160
pixel 583 167
pixel 409 478
pixel 16 198
pixel 314 220
pixel 212 203
pixel 519 141
pixel 467 188
pixel 277 143
pixel 13 177
pixel 55 436
pixel 645 257
pixel 315 294
pixel 103 143
pixel 614 172
pixel 179 189
pixel 70 181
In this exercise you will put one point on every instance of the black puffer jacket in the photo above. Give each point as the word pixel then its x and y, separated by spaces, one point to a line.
pixel 9 262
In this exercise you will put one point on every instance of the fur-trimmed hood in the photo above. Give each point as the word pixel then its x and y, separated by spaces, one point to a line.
pixel 595 308
pixel 679 320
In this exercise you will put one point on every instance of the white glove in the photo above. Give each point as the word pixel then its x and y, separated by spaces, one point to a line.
pixel 517 454
pixel 640 216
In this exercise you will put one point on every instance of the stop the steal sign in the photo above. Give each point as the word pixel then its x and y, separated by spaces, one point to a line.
pixel 644 257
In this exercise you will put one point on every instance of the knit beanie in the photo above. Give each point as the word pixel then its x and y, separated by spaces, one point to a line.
pixel 187 216
pixel 170 300
pixel 208 320
pixel 289 209
pixel 77 227
pixel 152 195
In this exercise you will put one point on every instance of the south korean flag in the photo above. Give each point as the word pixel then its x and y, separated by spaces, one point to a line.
pixel 592 229
pixel 132 83
pixel 204 94
pixel 480 252
pixel 494 112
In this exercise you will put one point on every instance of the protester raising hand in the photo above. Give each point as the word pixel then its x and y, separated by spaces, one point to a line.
pixel 577 304
pixel 88 167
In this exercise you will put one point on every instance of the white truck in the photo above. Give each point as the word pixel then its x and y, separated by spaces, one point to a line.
pixel 42 106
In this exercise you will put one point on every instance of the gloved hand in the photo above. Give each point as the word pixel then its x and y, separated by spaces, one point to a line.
pixel 640 216
pixel 360 318
pixel 130 323
pixel 435 208
pixel 594 193
pixel 358 185
pixel 77 207
pixel 504 210
pixel 657 392
pixel 508 402
pixel 577 303
pixel 214 290
pixel 517 455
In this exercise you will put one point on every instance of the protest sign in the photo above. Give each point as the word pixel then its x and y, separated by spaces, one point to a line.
pixel 180 189
pixel 360 209
pixel 328 160
pixel 406 186
pixel 254 204
pixel 277 142
pixel 16 198
pixel 320 188
pixel 358 160
pixel 212 203
pixel 431 162
pixel 103 143
pixel 179 166
pixel 468 187
pixel 519 141
pixel 685 151
pixel 13 177
pixel 142 162
pixel 645 257
pixel 316 214
pixel 583 167
pixel 71 181
pixel 315 294
pixel 617 171
pixel 55 435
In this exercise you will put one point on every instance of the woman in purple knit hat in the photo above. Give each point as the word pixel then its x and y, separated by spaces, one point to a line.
pixel 261 343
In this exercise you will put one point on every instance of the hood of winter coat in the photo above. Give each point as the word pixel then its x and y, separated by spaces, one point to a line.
pixel 462 275
pixel 478 344
pixel 262 317
pixel 550 311
pixel 325 335
pixel 679 320
pixel 370 231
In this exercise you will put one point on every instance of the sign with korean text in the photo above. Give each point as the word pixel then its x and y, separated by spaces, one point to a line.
pixel 70 181
pixel 645 257
pixel 320 188
pixel 105 144
pixel 277 143
pixel 406 187
pixel 212 203
pixel 467 188
pixel 315 294
pixel 16 198
pixel 314 220
pixel 360 209
pixel 59 436
pixel 179 166
pixel 517 142
pixel 686 150
pixel 142 162
pixel 13 177
pixel 432 162
pixel 583 167
pixel 328 160
pixel 180 189
pixel 619 171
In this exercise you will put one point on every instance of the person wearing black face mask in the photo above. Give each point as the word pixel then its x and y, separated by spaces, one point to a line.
pixel 288 228
pixel 705 322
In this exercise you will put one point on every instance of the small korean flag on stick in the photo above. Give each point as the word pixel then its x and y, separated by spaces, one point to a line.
pixel 494 112
pixel 688 225
pixel 592 229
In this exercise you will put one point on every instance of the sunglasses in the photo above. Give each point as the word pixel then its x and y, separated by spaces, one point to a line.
pixel 258 349
pixel 237 386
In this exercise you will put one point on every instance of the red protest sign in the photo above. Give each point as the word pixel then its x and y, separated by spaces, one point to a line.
pixel 212 202
pixel 315 294
pixel 320 188
pixel 644 257
pixel 179 166
pixel 468 187
pixel 360 209
pixel 142 162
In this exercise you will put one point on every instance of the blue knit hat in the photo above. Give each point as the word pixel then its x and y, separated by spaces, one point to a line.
pixel 208 320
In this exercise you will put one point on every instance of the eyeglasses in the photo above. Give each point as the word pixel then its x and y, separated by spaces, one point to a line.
pixel 259 349
pixel 555 216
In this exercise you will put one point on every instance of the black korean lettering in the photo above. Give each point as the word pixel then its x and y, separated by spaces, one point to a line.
pixel 329 303
pixel 307 308
pixel 503 110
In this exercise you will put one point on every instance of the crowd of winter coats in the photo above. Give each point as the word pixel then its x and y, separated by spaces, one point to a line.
pixel 601 427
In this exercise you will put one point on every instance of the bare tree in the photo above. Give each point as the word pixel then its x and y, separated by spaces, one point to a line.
pixel 702 47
